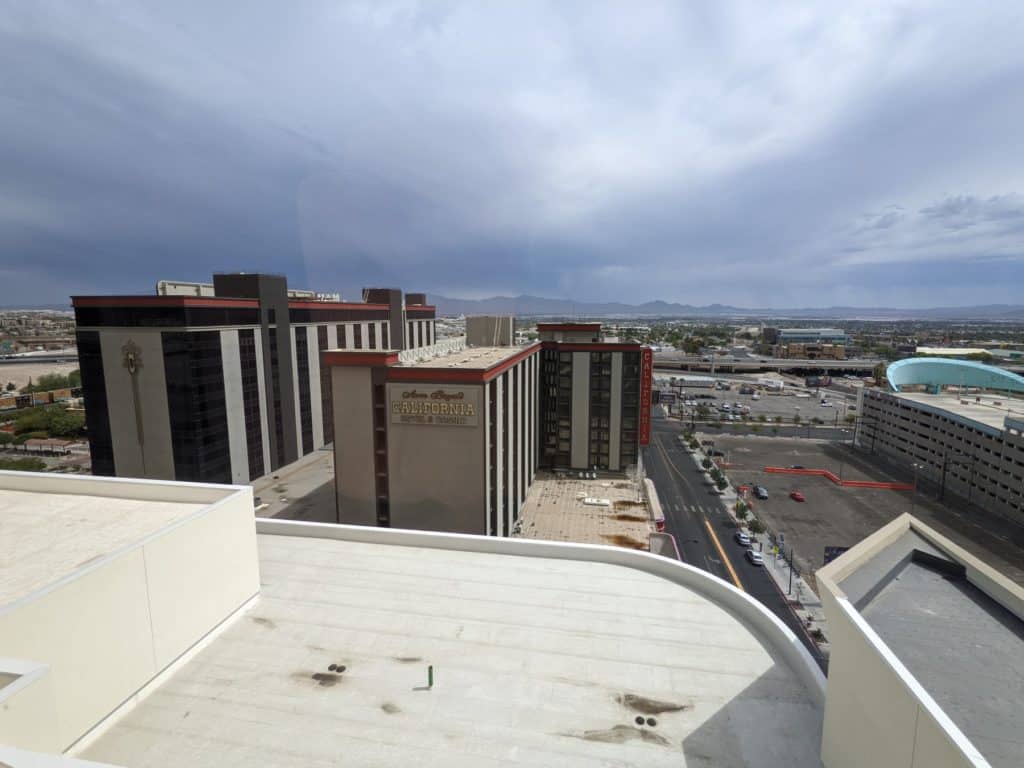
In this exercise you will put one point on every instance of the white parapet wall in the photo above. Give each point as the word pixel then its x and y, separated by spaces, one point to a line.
pixel 80 646
pixel 876 712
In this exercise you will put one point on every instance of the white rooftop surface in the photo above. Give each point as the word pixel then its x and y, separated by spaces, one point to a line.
pixel 985 412
pixel 46 536
pixel 472 358
pixel 537 661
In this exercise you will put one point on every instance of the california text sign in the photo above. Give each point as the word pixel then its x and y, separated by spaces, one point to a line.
pixel 646 371
pixel 443 406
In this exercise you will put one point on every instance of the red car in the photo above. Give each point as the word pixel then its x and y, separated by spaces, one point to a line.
pixel 796 496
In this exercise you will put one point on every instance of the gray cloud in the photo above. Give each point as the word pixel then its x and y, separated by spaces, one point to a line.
pixel 734 154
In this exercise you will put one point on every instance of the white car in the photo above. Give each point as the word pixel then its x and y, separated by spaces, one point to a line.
pixel 754 557
pixel 826 403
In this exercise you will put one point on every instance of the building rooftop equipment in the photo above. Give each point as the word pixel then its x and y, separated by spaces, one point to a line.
pixel 469 358
pixel 542 653
pixel 946 633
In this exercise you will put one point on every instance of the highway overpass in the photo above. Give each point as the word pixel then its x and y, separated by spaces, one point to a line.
pixel 677 361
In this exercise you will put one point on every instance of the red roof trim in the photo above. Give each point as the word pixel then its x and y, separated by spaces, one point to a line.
pixel 161 301
pixel 593 346
pixel 353 305
pixel 568 326
pixel 357 358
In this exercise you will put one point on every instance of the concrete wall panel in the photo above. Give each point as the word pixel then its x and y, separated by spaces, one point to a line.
pixel 199 573
pixel 352 391
pixel 447 494
pixel 579 448
pixel 234 403
pixel 154 456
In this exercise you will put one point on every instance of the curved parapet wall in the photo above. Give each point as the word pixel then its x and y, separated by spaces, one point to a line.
pixel 936 373
pixel 764 624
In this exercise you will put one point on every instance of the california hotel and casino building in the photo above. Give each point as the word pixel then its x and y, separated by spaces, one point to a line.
pixel 451 438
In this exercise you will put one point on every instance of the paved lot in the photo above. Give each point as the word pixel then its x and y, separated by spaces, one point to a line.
pixel 554 510
pixel 303 490
pixel 837 516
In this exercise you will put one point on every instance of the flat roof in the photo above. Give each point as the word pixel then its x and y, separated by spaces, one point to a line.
pixel 47 535
pixel 537 661
pixel 965 648
pixel 470 358
pixel 967 407
pixel 554 510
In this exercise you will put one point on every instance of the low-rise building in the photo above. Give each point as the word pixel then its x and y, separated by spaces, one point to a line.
pixel 956 431
pixel 805 343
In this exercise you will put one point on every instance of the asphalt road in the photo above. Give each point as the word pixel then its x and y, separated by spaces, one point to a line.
pixel 703 529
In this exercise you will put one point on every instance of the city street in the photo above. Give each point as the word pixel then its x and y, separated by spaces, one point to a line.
pixel 703 529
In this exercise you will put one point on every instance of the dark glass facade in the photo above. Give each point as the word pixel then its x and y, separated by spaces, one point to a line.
pixel 326 399
pixel 305 400
pixel 251 401
pixel 492 451
pixel 555 408
pixel 277 455
pixel 600 409
pixel 165 317
pixel 630 408
pixel 195 399
pixel 94 390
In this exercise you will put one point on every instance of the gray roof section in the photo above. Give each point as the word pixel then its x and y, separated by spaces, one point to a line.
pixel 966 649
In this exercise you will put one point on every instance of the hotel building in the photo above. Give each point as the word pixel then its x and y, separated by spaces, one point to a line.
pixel 450 437
pixel 222 382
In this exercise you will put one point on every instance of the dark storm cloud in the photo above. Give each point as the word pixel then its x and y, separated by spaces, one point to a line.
pixel 723 153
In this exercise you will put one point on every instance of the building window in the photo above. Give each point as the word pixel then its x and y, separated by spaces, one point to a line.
pixel 251 404
pixel 358 327
pixel 372 328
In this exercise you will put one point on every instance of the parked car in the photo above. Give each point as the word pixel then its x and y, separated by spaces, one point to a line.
pixel 796 466
pixel 742 538
pixel 760 492
pixel 754 557
pixel 797 496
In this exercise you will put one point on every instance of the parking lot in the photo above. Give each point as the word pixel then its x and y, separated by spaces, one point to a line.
pixel 766 407
pixel 833 515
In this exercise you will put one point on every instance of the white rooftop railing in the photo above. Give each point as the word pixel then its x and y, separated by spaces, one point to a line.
pixel 440 349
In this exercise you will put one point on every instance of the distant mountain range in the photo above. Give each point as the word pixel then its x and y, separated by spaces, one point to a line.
pixel 543 307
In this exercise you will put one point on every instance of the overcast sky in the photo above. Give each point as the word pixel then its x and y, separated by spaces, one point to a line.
pixel 748 153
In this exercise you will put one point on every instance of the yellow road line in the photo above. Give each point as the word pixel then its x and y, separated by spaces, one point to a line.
pixel 714 538
pixel 725 559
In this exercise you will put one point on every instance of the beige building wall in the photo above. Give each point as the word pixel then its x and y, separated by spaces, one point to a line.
pixel 354 471
pixel 151 456
pixel 615 415
pixel 579 447
pixel 234 403
pixel 108 629
pixel 436 471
